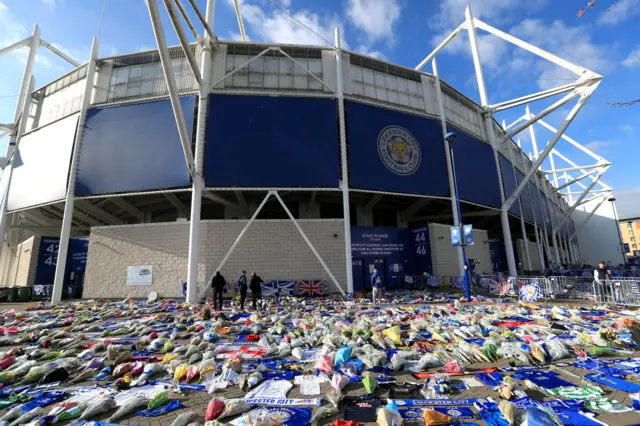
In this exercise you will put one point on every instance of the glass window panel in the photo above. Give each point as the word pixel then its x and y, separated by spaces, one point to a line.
pixel 133 89
pixel 257 65
pixel 286 66
pixel 356 73
pixel 271 65
pixel 314 84
pixel 239 60
pixel 119 90
pixel 367 77
pixel 228 67
pixel 271 81
pixel 369 91
pixel 379 79
pixel 300 82
pixel 413 87
pixel 315 66
pixel 415 102
pixel 285 82
pixel 240 80
pixel 297 69
pixel 121 75
pixel 393 96
pixel 146 87
pixel 255 80
pixel 381 94
pixel 392 82
pixel 135 72
pixel 357 88
pixel 403 99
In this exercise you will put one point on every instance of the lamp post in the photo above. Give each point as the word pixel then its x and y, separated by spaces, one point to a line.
pixel 615 215
pixel 450 138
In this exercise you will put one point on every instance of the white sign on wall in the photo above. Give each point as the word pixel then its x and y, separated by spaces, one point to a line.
pixel 140 275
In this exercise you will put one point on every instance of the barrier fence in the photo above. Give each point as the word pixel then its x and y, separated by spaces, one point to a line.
pixel 618 291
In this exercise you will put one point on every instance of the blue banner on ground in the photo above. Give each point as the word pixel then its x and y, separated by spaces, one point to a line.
pixel 394 151
pixel 263 141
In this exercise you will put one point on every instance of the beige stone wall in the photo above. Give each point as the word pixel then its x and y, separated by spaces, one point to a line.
pixel 273 248
pixel 24 272
pixel 443 255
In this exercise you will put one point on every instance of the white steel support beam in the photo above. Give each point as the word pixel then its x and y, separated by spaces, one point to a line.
pixel 532 97
pixel 441 46
pixel 218 199
pixel 532 134
pixel 576 180
pixel 265 51
pixel 244 230
pixel 8 171
pixel 236 6
pixel 241 200
pixel 373 201
pixel 346 211
pixel 173 199
pixel 573 142
pixel 449 161
pixel 573 169
pixel 488 122
pixel 128 207
pixel 584 222
pixel 571 209
pixel 523 228
pixel 185 16
pixel 543 155
pixel 15 46
pixel 198 177
pixel 170 78
pixel 209 19
pixel 98 212
pixel 578 70
pixel 69 201
pixel 60 53
pixel 309 243
pixel 184 42
pixel 535 118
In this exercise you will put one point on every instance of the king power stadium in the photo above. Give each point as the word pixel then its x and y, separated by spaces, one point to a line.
pixel 303 163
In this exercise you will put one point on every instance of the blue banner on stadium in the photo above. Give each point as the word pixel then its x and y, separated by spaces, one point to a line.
pixel 394 151
pixel 133 148
pixel 263 141
pixel 476 172
pixel 509 182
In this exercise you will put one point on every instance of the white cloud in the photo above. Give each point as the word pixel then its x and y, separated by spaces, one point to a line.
pixel 628 203
pixel 369 52
pixel 49 2
pixel 495 12
pixel 619 11
pixel 598 146
pixel 571 43
pixel 235 36
pixel 375 17
pixel 633 60
pixel 10 30
pixel 627 129
pixel 286 3
pixel 275 26
pixel 80 55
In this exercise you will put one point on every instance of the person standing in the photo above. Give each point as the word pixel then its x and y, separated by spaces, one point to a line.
pixel 218 283
pixel 602 276
pixel 376 285
pixel 256 289
pixel 242 288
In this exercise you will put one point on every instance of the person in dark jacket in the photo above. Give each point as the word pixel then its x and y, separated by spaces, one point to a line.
pixel 218 283
pixel 256 289
pixel 242 288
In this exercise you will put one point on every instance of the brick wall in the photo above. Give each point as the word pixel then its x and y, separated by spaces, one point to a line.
pixel 443 255
pixel 272 248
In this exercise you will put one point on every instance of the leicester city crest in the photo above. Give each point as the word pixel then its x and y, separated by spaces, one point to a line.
pixel 399 150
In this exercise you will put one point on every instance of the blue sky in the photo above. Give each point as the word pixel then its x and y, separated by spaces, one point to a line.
pixel 604 40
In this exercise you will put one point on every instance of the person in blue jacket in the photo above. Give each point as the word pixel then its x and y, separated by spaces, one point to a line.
pixel 376 285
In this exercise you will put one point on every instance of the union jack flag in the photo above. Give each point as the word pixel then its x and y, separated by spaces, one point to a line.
pixel 495 287
pixel 312 288
pixel 269 289
pixel 287 288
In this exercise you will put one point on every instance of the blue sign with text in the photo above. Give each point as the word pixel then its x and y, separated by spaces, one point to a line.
pixel 468 234
pixel 455 236
pixel 48 258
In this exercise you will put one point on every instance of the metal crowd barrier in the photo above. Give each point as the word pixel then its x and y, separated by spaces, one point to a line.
pixel 618 291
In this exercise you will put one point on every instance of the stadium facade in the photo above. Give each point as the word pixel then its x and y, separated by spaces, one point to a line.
pixel 250 156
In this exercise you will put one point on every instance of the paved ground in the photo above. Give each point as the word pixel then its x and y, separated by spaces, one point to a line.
pixel 198 401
